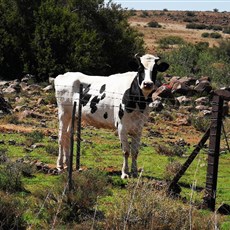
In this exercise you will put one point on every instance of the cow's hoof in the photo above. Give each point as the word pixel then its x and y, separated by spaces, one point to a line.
pixel 134 175
pixel 124 176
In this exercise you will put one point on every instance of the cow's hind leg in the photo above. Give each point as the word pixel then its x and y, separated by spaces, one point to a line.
pixel 63 140
pixel 134 152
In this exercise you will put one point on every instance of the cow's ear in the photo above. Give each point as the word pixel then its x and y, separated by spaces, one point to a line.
pixel 163 66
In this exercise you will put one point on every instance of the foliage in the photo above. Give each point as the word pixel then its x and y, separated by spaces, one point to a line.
pixel 10 213
pixel 212 62
pixel 34 137
pixel 145 208
pixel 168 41
pixel 226 30
pixel 196 26
pixel 76 205
pixel 11 177
pixel 154 24
pixel 200 123
pixel 48 37
pixel 215 35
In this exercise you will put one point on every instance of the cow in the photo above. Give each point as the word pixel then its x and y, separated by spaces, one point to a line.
pixel 118 101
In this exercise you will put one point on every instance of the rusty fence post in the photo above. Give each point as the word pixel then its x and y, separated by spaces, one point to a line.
pixel 213 153
pixel 79 128
pixel 70 166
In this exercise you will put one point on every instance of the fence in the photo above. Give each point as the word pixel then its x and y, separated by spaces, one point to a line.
pixel 213 133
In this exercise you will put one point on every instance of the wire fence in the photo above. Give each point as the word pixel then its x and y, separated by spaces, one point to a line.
pixel 109 156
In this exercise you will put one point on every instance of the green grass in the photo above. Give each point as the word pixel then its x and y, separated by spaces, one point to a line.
pixel 101 150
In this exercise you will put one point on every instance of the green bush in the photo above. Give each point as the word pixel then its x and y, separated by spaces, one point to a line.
pixel 226 30
pixel 190 14
pixel 77 205
pixel 168 41
pixel 11 177
pixel 205 35
pixel 10 213
pixel 215 35
pixel 52 149
pixel 34 137
pixel 196 26
pixel 154 24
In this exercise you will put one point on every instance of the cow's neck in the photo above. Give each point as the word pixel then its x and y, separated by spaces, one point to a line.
pixel 134 99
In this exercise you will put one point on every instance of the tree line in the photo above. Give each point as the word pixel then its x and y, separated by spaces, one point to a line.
pixel 50 37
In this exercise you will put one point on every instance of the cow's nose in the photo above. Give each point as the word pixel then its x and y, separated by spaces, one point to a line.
pixel 148 84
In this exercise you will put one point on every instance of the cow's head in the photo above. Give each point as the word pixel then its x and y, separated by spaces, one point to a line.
pixel 147 72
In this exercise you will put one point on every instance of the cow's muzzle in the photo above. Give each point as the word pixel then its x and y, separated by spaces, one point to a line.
pixel 148 85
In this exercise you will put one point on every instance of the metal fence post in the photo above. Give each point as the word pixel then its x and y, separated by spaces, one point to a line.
pixel 214 151
pixel 79 128
pixel 70 166
pixel 173 184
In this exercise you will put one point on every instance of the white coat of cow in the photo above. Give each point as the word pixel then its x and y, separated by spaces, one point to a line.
pixel 118 101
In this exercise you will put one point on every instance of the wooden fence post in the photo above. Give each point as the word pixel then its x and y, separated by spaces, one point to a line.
pixel 214 151
pixel 79 128
pixel 70 166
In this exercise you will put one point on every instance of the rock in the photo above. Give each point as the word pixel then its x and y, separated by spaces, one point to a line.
pixel 183 100
pixel 48 88
pixel 202 101
pixel 5 106
pixel 40 101
pixel 156 105
pixel 12 142
pixel 202 107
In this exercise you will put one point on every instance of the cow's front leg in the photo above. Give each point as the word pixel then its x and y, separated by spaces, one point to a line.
pixel 134 152
pixel 125 149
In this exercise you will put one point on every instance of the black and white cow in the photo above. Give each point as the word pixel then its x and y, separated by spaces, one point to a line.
pixel 118 101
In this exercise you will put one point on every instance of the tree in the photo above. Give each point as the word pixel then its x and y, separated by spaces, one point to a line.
pixel 49 37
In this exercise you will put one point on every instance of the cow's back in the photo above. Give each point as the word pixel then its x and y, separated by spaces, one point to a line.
pixel 102 96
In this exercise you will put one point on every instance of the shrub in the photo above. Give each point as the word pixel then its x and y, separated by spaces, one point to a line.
pixel 171 169
pixel 190 19
pixel 170 40
pixel 154 24
pixel 34 137
pixel 215 35
pixel 11 177
pixel 144 14
pixel 11 119
pixel 205 35
pixel 196 26
pixel 200 123
pixel 226 30
pixel 190 14
pixel 78 204
pixel 52 149
pixel 3 155
pixel 146 208
pixel 10 213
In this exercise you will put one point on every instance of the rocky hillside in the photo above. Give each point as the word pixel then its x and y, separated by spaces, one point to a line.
pixel 173 23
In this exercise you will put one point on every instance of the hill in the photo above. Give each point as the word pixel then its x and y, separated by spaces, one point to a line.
pixel 173 23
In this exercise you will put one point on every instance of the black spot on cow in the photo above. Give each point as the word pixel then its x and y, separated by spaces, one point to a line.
pixel 103 96
pixel 93 104
pixel 102 88
pixel 85 99
pixel 120 112
pixel 105 115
